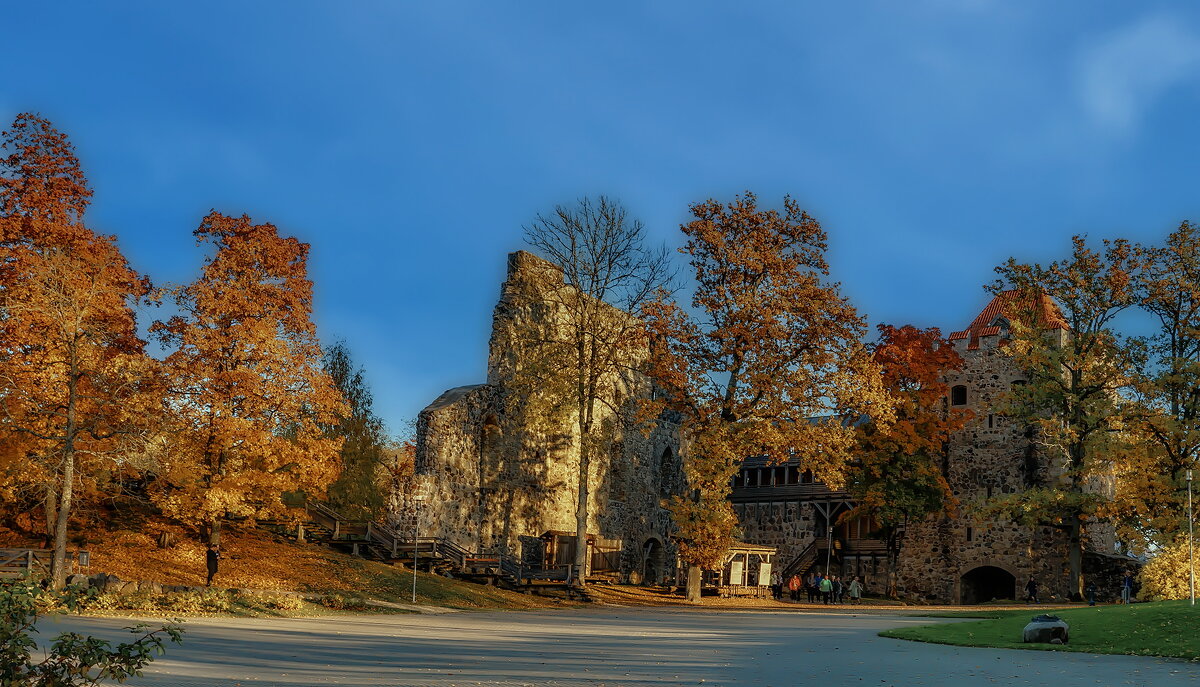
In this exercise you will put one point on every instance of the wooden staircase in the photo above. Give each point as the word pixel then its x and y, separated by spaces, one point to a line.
pixel 801 564
pixel 382 542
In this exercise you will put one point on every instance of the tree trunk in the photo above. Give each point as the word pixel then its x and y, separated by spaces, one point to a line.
pixel 693 583
pixel 892 587
pixel 51 511
pixel 58 563
pixel 581 504
pixel 1075 559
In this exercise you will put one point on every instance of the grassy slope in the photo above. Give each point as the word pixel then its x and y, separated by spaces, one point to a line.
pixel 255 559
pixel 1169 629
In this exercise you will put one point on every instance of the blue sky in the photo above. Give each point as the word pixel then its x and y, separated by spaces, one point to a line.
pixel 409 142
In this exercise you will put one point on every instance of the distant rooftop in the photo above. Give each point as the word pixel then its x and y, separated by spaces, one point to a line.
pixel 1005 306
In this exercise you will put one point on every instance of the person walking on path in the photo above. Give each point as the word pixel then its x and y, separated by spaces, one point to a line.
pixel 855 590
pixel 210 558
pixel 794 588
pixel 1031 590
pixel 1127 588
pixel 826 590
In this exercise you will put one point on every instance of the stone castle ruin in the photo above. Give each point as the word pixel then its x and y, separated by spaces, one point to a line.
pixel 499 482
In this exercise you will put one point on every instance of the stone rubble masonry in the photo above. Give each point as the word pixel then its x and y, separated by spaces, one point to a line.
pixel 495 478
pixel 494 474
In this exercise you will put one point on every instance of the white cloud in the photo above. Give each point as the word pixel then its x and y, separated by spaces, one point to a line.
pixel 1125 72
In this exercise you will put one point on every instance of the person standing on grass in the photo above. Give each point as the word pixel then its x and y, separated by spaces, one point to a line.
pixel 210 558
pixel 1127 588
pixel 1090 590
pixel 855 590
pixel 1031 590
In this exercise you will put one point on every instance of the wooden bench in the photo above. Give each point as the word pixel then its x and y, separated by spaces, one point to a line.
pixel 726 591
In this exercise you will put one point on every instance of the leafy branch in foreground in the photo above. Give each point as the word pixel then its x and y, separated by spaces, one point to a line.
pixel 71 659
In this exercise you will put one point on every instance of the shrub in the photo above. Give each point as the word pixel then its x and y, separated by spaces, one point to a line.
pixel 339 602
pixel 279 602
pixel 72 659
pixel 1165 576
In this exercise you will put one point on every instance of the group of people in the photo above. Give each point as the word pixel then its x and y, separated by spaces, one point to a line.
pixel 830 589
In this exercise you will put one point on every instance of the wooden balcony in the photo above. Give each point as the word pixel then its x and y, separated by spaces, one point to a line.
pixel 813 491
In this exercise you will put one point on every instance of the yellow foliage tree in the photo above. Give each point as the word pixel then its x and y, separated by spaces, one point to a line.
pixel 247 384
pixel 1165 577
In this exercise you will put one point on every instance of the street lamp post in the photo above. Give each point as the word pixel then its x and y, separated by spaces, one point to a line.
pixel 1191 545
pixel 417 497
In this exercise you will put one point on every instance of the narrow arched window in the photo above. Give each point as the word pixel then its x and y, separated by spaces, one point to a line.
pixel 666 466
pixel 958 395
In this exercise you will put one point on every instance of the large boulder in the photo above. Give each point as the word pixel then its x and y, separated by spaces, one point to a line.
pixel 80 581
pixel 106 583
pixel 1047 629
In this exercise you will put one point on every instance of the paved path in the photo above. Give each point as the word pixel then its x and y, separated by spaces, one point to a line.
pixel 610 647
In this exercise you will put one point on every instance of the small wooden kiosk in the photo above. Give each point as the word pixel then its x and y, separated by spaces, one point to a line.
pixel 745 571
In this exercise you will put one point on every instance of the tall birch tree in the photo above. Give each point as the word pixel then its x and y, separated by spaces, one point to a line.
pixel 588 341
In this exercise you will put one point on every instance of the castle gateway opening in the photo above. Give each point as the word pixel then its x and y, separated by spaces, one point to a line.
pixel 987 582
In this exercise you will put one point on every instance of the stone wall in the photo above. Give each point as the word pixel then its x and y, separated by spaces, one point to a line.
pixel 789 526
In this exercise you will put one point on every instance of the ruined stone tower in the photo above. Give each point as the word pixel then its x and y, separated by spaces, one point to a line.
pixel 500 482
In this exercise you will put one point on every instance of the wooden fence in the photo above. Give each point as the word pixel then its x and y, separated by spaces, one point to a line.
pixel 18 563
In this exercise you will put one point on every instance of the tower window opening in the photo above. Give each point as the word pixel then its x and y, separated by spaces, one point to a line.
pixel 958 395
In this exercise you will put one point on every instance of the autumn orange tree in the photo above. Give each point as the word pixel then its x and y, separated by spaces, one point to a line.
pixel 77 387
pixel 247 385
pixel 897 477
pixel 1063 336
pixel 767 345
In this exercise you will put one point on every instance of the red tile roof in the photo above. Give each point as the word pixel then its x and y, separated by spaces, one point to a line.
pixel 1010 304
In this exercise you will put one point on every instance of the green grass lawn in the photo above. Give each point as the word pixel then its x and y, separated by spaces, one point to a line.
pixel 1170 629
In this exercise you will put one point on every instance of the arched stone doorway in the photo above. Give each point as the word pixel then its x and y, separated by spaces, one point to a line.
pixel 987 582
pixel 652 557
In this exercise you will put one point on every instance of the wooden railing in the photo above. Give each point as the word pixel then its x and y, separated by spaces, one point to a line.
pixel 35 562
pixel 801 563
pixel 398 545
